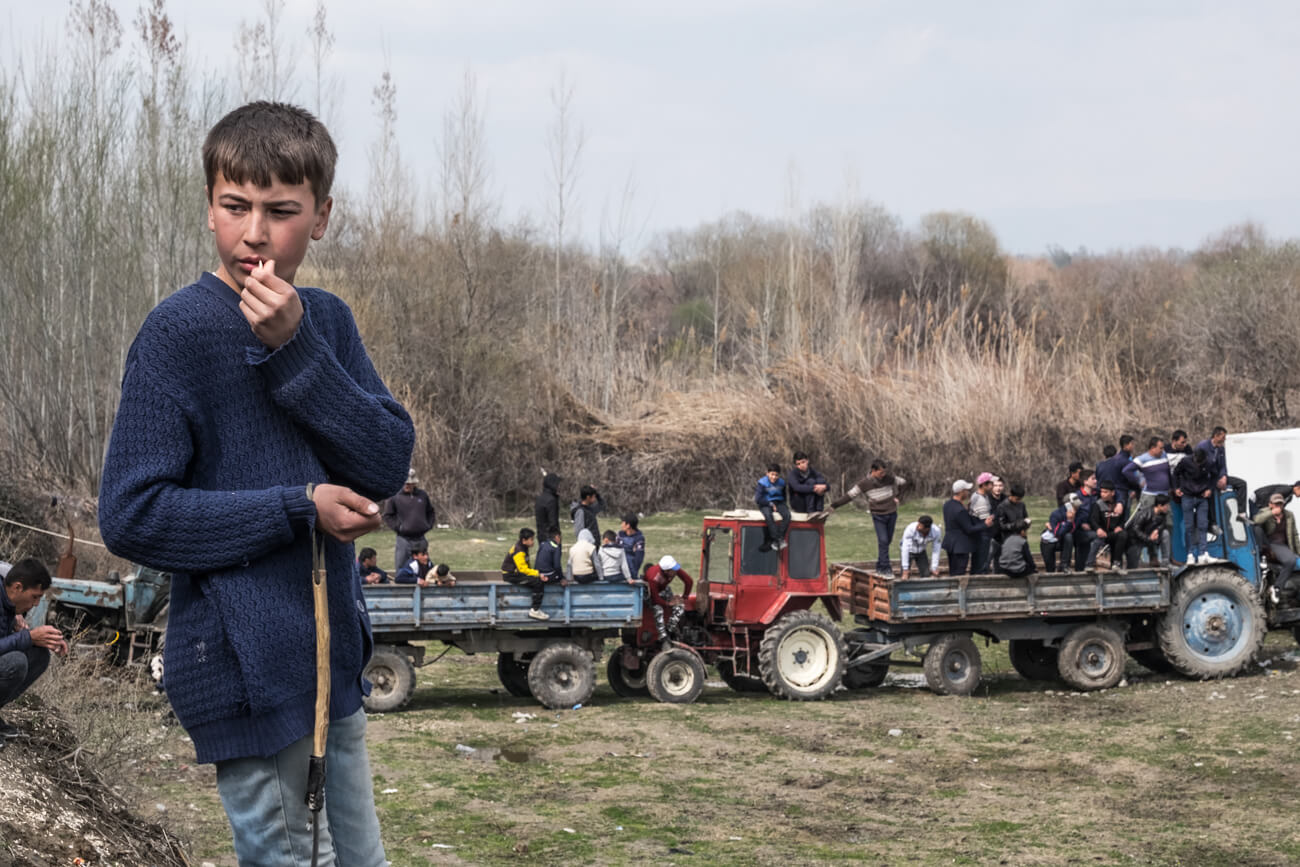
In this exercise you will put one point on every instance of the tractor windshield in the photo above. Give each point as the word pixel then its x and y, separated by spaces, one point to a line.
pixel 804 554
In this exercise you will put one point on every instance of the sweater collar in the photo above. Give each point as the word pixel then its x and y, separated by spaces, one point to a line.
pixel 217 286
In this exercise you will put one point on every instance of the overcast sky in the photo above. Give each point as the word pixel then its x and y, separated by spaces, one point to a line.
pixel 1097 124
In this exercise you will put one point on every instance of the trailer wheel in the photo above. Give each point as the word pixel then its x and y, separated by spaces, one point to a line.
pixel 1032 659
pixel 562 675
pixel 628 684
pixel 513 674
pixel 952 664
pixel 802 656
pixel 739 682
pixel 1092 657
pixel 676 676
pixel 1153 659
pixel 392 680
pixel 867 676
pixel 1214 626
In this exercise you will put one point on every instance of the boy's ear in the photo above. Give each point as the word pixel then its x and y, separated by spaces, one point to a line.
pixel 207 193
pixel 322 219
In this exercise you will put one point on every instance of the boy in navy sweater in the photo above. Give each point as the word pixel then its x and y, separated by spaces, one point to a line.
pixel 251 419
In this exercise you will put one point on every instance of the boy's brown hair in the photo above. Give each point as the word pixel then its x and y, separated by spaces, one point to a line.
pixel 264 140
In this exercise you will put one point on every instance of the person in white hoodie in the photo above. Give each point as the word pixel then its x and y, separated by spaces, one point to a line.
pixel 582 566
pixel 611 559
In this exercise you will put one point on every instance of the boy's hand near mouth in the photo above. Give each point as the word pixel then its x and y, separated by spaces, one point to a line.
pixel 271 305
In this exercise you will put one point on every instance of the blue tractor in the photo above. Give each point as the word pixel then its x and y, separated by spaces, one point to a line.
pixel 1218 612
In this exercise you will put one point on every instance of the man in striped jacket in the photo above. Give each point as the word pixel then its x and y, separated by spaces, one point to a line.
pixel 882 490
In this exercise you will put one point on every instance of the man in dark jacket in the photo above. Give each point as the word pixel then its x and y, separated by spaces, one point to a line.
pixel 409 514
pixel 1193 483
pixel 1275 530
pixel 24 652
pixel 1111 468
pixel 1148 531
pixel 583 511
pixel 549 560
pixel 1070 483
pixel 546 508
pixel 1011 516
pixel 1107 520
pixel 962 532
pixel 807 486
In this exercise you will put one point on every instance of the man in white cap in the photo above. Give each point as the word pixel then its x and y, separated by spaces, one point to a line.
pixel 962 531
pixel 409 514
pixel 667 608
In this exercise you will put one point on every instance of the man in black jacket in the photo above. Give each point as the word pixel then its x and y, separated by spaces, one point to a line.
pixel 584 511
pixel 24 650
pixel 961 531
pixel 409 514
pixel 807 486
pixel 1107 520
pixel 546 508
pixel 1148 531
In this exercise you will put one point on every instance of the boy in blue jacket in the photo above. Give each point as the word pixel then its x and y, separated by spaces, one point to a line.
pixel 251 420
pixel 770 496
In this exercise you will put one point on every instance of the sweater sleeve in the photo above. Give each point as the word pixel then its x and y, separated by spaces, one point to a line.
pixel 361 434
pixel 148 515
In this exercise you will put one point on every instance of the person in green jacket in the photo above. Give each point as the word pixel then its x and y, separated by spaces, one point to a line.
pixel 1275 531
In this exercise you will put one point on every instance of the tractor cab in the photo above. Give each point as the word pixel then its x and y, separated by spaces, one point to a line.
pixel 741 584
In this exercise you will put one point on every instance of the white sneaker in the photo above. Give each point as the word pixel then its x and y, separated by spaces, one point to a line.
pixel 538 615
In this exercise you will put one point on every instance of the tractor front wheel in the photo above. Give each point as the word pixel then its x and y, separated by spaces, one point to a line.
pixel 802 656
pixel 676 676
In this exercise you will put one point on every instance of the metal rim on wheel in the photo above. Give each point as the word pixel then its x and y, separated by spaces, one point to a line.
pixel 677 678
pixel 383 679
pixel 1096 659
pixel 804 657
pixel 1214 624
pixel 636 681
pixel 956 665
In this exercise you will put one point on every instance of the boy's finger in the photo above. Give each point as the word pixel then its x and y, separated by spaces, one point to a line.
pixel 357 503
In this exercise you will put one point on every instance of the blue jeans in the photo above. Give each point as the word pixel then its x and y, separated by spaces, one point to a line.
pixel 773 535
pixel 884 538
pixel 265 802
pixel 1196 518
pixel 19 670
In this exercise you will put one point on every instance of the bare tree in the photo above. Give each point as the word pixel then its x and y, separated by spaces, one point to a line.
pixel 266 64
pixel 326 86
pixel 564 146
pixel 466 199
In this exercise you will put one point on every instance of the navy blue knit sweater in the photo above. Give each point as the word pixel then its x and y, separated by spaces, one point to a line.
pixel 214 442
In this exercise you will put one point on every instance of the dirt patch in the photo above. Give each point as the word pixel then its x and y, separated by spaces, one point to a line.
pixel 57 809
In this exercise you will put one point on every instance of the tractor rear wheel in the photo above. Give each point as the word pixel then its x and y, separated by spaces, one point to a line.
pixel 1092 657
pixel 802 656
pixel 392 680
pixel 1032 659
pixel 739 682
pixel 676 676
pixel 952 664
pixel 562 675
pixel 513 674
pixel 628 684
pixel 1214 626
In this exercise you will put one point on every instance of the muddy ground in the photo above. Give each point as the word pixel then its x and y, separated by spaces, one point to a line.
pixel 1158 771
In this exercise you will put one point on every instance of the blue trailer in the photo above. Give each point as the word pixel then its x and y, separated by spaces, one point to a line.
pixel 1202 620
pixel 551 660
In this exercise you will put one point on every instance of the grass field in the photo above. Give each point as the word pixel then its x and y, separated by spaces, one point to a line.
pixel 1156 771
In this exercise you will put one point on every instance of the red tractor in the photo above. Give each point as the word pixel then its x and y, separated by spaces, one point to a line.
pixel 750 614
